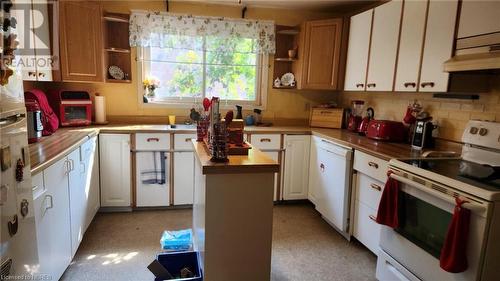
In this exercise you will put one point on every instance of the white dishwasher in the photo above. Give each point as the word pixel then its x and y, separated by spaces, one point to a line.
pixel 152 156
pixel 333 183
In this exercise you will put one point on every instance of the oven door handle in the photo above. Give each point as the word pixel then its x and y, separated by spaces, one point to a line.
pixel 471 204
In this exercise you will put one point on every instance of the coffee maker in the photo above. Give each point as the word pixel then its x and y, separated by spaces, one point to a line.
pixel 422 134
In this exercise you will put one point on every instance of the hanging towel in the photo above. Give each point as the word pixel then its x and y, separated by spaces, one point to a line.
pixel 388 207
pixel 155 171
pixel 453 254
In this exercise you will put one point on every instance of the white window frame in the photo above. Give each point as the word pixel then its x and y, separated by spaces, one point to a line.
pixel 261 88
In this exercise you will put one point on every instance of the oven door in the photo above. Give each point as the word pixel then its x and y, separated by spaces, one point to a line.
pixel 425 211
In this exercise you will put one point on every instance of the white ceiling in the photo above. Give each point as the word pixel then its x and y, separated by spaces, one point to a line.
pixel 290 4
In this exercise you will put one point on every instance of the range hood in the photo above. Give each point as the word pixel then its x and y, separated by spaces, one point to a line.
pixel 475 53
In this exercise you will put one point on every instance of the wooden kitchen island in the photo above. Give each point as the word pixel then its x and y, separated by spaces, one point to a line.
pixel 233 215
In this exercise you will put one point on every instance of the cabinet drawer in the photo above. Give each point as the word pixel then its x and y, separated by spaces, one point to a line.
pixel 366 230
pixel 152 141
pixel 370 165
pixel 183 141
pixel 369 190
pixel 266 141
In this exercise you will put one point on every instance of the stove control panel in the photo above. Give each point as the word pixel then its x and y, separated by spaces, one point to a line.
pixel 482 133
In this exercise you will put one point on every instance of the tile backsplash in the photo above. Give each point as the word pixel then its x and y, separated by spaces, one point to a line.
pixel 451 115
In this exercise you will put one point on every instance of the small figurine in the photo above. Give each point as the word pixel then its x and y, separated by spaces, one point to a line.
pixel 277 83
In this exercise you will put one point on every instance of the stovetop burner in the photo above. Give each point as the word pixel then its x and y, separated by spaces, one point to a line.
pixel 483 176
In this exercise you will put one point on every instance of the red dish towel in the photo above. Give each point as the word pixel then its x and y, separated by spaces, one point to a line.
pixel 453 254
pixel 388 207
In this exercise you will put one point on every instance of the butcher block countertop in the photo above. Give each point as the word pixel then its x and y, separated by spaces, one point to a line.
pixel 255 162
pixel 52 148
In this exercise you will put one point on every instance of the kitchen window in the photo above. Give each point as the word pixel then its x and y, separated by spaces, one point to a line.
pixel 187 75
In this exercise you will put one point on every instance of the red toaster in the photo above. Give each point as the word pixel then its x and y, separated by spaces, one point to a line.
pixel 386 130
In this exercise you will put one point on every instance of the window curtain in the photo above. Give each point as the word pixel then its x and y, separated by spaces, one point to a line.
pixel 166 30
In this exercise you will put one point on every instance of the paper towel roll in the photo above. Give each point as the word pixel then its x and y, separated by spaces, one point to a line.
pixel 100 110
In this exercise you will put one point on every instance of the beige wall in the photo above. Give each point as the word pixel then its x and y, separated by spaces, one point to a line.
pixel 122 98
pixel 451 115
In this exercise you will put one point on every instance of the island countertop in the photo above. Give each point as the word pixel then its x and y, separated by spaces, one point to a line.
pixel 255 162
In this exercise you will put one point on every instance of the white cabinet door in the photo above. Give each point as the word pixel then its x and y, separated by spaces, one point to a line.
pixel 438 46
pixel 42 40
pixel 77 199
pixel 114 155
pixel 366 230
pixel 41 203
pixel 296 172
pixel 56 182
pixel 384 46
pixel 410 46
pixel 314 172
pixel 152 180
pixel 357 53
pixel 183 178
pixel 92 167
pixel 275 156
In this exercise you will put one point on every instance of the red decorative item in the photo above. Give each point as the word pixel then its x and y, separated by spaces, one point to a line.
pixel 388 207
pixel 206 104
pixel 409 118
pixel 454 252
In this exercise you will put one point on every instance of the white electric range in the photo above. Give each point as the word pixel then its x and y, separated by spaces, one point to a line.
pixel 426 203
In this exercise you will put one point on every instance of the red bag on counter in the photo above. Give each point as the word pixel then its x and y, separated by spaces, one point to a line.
pixel 50 121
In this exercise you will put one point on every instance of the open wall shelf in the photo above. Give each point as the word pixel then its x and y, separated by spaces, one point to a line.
pixel 287 38
pixel 116 46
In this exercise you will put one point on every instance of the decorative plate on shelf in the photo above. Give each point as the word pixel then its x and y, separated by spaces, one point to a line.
pixel 287 79
pixel 116 72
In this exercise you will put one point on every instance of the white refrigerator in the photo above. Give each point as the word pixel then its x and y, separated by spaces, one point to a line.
pixel 18 247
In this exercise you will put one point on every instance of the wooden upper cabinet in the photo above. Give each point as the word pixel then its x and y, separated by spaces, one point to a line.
pixel 321 54
pixel 438 47
pixel 81 41
pixel 384 46
pixel 410 46
pixel 357 54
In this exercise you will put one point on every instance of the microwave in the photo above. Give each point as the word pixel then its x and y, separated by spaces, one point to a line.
pixel 74 108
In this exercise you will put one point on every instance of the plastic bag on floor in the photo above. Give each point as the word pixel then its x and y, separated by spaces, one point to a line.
pixel 178 240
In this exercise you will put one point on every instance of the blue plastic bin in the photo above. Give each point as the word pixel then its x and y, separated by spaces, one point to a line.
pixel 175 261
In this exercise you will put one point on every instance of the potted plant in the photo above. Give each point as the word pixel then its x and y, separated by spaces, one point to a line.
pixel 150 84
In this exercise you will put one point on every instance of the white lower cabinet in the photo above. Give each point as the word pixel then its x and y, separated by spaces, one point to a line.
pixel 296 170
pixel 366 230
pixel 270 144
pixel 66 198
pixel 91 160
pixel 183 177
pixel 53 215
pixel 114 164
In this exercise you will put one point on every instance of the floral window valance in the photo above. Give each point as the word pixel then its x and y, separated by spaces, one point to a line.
pixel 156 29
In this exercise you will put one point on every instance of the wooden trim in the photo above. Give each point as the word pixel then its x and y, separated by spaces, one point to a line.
pixel 133 164
pixel 171 169
pixel 477 41
pixel 399 44
pixel 281 158
pixel 417 88
pixel 369 50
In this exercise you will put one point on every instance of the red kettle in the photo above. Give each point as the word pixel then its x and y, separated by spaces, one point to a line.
pixel 363 125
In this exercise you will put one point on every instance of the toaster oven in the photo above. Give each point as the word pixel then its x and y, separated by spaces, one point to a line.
pixel 74 108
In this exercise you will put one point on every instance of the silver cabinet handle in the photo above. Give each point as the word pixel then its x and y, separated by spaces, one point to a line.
pixel 322 167
pixel 51 200
pixel 72 164
pixel 373 218
pixel 67 167
pixel 82 164
pixel 373 164
pixel 376 187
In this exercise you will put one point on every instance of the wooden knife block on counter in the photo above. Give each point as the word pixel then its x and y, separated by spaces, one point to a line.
pixel 326 117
